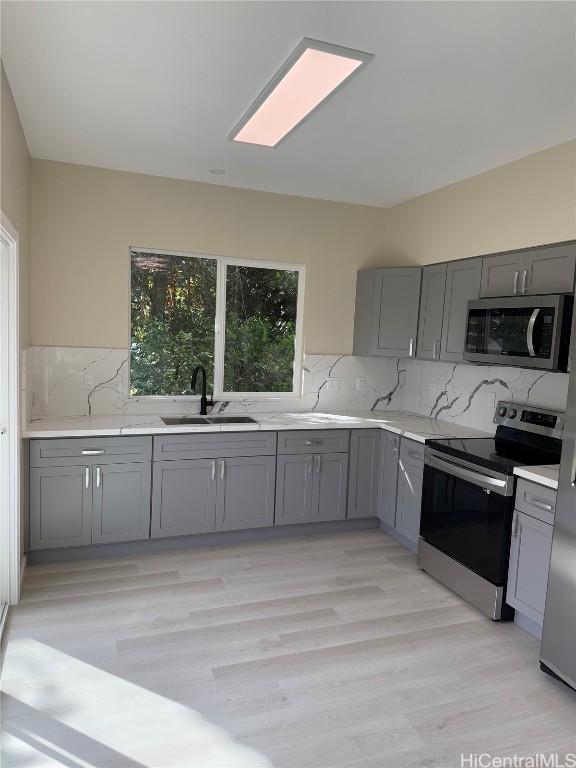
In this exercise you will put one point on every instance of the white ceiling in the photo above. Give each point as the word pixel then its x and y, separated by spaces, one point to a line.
pixel 454 89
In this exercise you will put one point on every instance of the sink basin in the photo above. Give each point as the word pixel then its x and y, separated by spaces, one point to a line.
pixel 232 420
pixel 183 420
pixel 207 420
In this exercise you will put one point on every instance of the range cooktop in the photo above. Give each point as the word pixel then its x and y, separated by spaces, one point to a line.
pixel 525 436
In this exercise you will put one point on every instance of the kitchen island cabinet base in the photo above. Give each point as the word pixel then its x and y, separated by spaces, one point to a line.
pixel 198 541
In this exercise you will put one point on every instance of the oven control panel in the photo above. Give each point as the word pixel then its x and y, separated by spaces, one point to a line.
pixel 530 418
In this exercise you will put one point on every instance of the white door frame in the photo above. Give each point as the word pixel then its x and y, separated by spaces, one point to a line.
pixel 10 556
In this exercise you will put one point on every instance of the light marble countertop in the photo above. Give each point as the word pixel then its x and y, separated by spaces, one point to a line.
pixel 546 474
pixel 410 425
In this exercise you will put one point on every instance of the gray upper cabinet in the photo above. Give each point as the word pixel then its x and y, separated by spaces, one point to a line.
pixel 386 316
pixel 294 489
pixel 60 507
pixel 530 549
pixel 364 472
pixel 245 497
pixel 121 502
pixel 431 311
pixel 184 497
pixel 409 494
pixel 462 285
pixel 549 269
pixel 388 477
pixel 501 274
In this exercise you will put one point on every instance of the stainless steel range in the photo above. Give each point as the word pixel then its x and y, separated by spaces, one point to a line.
pixel 468 502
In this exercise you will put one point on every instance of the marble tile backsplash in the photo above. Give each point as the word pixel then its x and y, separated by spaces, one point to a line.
pixel 66 381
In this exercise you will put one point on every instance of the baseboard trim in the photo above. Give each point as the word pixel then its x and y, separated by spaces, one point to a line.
pixel 399 537
pixel 199 541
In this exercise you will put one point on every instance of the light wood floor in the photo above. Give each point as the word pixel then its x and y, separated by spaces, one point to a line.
pixel 320 652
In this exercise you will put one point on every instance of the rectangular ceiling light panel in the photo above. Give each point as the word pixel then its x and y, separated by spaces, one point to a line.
pixel 309 76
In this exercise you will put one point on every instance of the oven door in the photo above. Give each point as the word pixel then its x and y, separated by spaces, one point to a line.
pixel 516 331
pixel 467 514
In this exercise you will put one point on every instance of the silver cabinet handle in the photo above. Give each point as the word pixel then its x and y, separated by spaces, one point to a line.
pixel 516 274
pixel 92 452
pixel 516 525
pixel 314 442
pixel 411 348
pixel 530 332
pixel 435 349
pixel 87 477
pixel 212 469
pixel 524 278
pixel 318 460
pixel 98 476
pixel 309 463
pixel 222 469
pixel 536 502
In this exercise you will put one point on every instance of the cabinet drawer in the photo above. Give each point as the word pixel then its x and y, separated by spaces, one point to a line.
pixel 535 500
pixel 219 445
pixel 411 451
pixel 313 441
pixel 73 451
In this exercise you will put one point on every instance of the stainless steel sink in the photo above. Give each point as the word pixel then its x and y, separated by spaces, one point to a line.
pixel 231 420
pixel 183 420
pixel 207 420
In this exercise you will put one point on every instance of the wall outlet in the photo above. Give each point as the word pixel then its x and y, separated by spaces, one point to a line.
pixel 333 385
pixel 360 384
pixel 88 383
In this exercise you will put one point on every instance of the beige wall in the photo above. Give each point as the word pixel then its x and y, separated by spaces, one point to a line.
pixel 84 220
pixel 529 202
pixel 15 194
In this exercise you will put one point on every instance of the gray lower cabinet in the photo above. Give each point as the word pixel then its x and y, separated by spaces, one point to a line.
pixel 431 312
pixel 311 488
pixel 364 472
pixel 245 495
pixel 121 502
pixel 388 477
pixel 530 549
pixel 60 507
pixel 184 497
pixel 409 492
pixel 462 285
pixel 386 314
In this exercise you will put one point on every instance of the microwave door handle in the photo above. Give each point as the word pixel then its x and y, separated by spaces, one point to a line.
pixel 530 332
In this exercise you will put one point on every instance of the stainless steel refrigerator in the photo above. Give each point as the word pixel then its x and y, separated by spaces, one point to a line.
pixel 558 648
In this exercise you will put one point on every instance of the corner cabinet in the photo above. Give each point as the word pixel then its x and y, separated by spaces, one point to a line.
pixel 386 314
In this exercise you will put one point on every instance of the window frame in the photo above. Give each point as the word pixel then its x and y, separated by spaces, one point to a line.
pixel 222 263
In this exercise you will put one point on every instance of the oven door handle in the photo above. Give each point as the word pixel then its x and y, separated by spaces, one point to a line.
pixel 530 332
pixel 503 487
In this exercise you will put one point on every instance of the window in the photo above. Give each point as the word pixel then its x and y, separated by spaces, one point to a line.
pixel 241 320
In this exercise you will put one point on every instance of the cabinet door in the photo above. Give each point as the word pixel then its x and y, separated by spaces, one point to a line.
pixel 501 274
pixel 530 549
pixel 462 285
pixel 184 497
pixel 121 502
pixel 331 484
pixel 294 489
pixel 409 495
pixel 245 496
pixel 389 454
pixel 395 314
pixel 364 312
pixel 364 469
pixel 550 270
pixel 431 312
pixel 60 507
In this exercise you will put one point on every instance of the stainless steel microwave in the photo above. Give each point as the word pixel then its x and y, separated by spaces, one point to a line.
pixel 528 331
